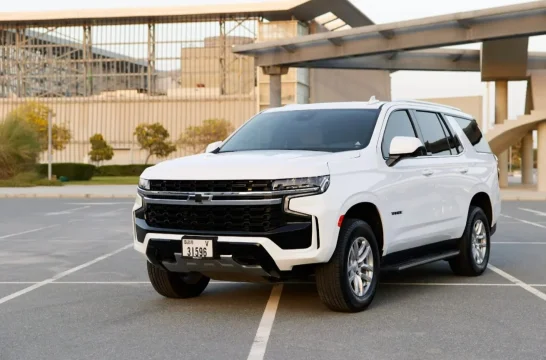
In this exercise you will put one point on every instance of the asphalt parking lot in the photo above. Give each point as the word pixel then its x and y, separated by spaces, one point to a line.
pixel 72 287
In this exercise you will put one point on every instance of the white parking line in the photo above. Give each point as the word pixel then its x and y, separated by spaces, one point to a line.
pixel 257 351
pixel 526 222
pixel 445 284
pixel 61 275
pixel 66 212
pixel 539 213
pixel 28 231
pixel 518 282
pixel 100 203
pixel 519 242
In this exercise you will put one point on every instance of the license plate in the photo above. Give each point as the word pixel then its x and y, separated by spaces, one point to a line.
pixel 197 248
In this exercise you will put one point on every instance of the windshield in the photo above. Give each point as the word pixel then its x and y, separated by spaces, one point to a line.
pixel 329 130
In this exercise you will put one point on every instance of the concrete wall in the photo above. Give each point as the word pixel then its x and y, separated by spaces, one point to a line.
pixel 117 119
pixel 347 85
pixel 472 105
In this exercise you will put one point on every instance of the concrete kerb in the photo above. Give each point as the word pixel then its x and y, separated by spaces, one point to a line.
pixel 67 196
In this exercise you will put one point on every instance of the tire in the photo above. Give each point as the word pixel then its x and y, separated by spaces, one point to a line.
pixel 332 278
pixel 466 263
pixel 176 285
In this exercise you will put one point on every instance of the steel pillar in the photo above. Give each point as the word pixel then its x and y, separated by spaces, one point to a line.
pixel 223 67
pixel 21 61
pixel 151 58
pixel 87 60
pixel 501 114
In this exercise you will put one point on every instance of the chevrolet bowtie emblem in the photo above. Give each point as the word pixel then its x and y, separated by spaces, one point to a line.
pixel 199 198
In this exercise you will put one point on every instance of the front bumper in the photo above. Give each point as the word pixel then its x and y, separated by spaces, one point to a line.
pixel 260 254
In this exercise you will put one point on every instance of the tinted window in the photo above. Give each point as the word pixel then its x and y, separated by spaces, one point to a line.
pixel 473 133
pixel 329 130
pixel 454 143
pixel 399 124
pixel 436 142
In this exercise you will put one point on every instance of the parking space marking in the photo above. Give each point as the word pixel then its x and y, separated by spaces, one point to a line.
pixel 519 242
pixel 62 274
pixel 28 231
pixel 526 222
pixel 445 284
pixel 101 203
pixel 539 213
pixel 66 212
pixel 518 282
pixel 259 345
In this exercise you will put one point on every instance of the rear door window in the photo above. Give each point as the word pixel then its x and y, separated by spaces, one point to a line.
pixel 435 138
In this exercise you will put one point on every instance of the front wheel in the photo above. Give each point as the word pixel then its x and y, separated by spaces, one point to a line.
pixel 474 245
pixel 176 285
pixel 347 283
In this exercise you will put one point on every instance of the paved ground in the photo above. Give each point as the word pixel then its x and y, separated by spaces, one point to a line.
pixel 71 287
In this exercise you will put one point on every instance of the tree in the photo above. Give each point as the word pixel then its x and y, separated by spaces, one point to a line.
pixel 196 138
pixel 100 150
pixel 153 139
pixel 19 147
pixel 36 114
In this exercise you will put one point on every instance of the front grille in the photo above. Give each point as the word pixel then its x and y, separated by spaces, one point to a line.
pixel 241 218
pixel 211 185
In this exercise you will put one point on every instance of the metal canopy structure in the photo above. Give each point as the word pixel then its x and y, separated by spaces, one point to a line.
pixel 421 60
pixel 520 20
pixel 303 10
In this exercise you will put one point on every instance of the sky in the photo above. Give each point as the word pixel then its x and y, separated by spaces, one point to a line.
pixel 404 84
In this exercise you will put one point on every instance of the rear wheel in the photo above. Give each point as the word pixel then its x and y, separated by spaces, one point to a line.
pixel 176 285
pixel 348 282
pixel 474 245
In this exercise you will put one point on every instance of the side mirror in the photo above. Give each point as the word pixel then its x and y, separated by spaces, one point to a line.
pixel 404 146
pixel 213 146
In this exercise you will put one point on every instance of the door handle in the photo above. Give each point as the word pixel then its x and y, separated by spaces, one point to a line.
pixel 427 172
pixel 462 170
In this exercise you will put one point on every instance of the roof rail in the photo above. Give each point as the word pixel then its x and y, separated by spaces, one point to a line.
pixel 427 103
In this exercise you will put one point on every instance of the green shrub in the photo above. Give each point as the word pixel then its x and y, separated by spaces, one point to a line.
pixel 121 170
pixel 73 171
pixel 19 147
pixel 28 179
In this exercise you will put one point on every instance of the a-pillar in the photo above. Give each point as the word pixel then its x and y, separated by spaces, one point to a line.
pixel 541 156
pixel 275 73
pixel 501 114
pixel 527 159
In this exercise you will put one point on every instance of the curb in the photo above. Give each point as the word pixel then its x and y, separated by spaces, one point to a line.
pixel 67 196
pixel 523 198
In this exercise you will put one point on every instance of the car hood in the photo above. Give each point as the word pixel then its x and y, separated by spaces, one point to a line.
pixel 259 165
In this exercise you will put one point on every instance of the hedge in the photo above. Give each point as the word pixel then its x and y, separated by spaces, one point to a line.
pixel 121 170
pixel 73 171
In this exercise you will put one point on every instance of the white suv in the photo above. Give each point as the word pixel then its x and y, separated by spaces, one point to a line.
pixel 334 192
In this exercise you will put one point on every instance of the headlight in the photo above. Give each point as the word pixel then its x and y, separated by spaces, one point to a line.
pixel 144 184
pixel 318 183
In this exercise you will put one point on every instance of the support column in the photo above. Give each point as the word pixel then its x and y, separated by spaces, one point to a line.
pixel 527 159
pixel 151 59
pixel 275 73
pixel 501 114
pixel 541 156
